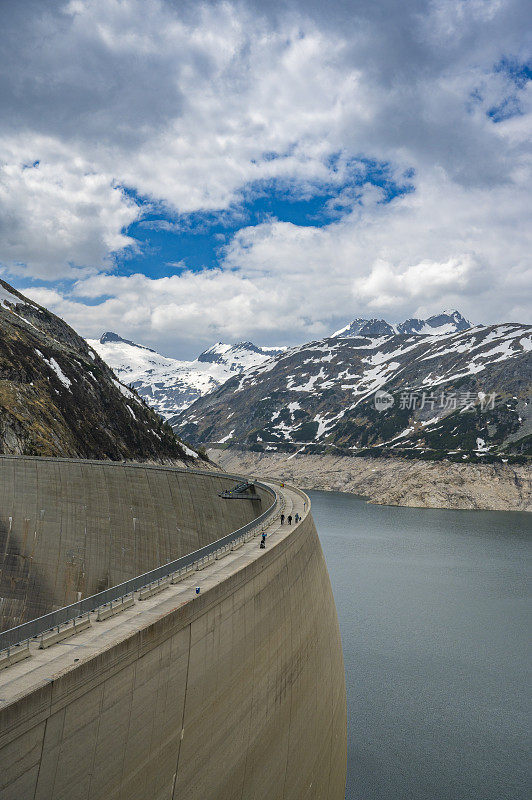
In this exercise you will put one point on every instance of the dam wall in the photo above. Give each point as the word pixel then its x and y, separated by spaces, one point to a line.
pixel 72 526
pixel 237 693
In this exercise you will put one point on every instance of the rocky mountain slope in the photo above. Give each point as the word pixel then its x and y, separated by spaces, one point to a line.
pixel 58 398
pixel 169 385
pixel 463 396
pixel 401 482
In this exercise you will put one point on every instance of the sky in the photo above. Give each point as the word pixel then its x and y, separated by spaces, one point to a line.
pixel 184 173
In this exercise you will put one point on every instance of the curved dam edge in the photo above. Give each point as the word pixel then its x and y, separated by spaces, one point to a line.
pixel 236 693
pixel 70 526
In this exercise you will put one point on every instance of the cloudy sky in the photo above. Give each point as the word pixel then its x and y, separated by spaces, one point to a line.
pixel 185 172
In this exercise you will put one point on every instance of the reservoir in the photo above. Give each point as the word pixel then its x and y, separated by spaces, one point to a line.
pixel 434 614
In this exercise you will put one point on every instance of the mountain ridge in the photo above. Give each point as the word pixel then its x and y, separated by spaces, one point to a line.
pixel 110 336
pixel 58 398
pixel 168 384
pixel 171 385
pixel 437 325
pixel 321 397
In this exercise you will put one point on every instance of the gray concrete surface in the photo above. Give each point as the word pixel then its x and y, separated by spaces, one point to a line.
pixel 236 693
pixel 69 526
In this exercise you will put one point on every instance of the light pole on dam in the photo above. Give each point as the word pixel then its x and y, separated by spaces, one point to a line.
pixel 156 691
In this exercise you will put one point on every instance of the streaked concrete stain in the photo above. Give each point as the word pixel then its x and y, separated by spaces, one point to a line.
pixel 236 693
pixel 69 526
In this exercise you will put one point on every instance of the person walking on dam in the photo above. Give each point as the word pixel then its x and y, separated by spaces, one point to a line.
pixel 263 541
pixel 282 519
pixel 290 519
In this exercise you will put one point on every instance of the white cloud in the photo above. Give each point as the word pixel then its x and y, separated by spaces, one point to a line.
pixel 55 211
pixel 281 283
pixel 424 282
pixel 185 103
pixel 235 92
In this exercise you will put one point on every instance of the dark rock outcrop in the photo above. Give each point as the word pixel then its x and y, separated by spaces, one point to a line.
pixel 58 398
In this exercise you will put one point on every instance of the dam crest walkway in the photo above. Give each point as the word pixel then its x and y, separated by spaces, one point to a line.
pixel 46 665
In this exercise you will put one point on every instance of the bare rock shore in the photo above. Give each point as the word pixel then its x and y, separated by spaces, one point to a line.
pixel 436 484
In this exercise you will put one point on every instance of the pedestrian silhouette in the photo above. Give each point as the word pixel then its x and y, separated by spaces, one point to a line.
pixel 290 519
pixel 282 519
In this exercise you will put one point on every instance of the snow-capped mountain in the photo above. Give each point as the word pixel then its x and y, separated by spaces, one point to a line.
pixel 238 356
pixel 170 385
pixel 366 327
pixel 459 395
pixel 437 325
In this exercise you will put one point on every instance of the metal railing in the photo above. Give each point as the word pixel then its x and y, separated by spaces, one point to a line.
pixel 304 496
pixel 188 563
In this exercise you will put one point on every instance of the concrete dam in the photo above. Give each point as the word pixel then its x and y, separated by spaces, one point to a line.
pixel 215 673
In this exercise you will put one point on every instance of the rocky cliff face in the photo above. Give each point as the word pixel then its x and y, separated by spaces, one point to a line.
pixel 498 487
pixel 58 398
pixel 464 396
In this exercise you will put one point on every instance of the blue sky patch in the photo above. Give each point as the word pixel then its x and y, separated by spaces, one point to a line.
pixel 519 74
pixel 170 242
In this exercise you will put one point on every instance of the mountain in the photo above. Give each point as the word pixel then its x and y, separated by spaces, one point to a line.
pixel 410 395
pixel 437 325
pixel 109 337
pixel 238 357
pixel 366 327
pixel 58 398
pixel 169 385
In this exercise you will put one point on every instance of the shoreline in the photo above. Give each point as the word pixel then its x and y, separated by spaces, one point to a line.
pixel 395 482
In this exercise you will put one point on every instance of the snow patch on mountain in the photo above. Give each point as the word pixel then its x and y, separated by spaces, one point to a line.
pixel 59 372
pixel 438 325
pixel 7 297
pixel 54 366
pixel 125 391
pixel 323 395
pixel 168 384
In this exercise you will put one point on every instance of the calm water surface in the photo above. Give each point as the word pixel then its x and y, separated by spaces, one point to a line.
pixel 434 614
